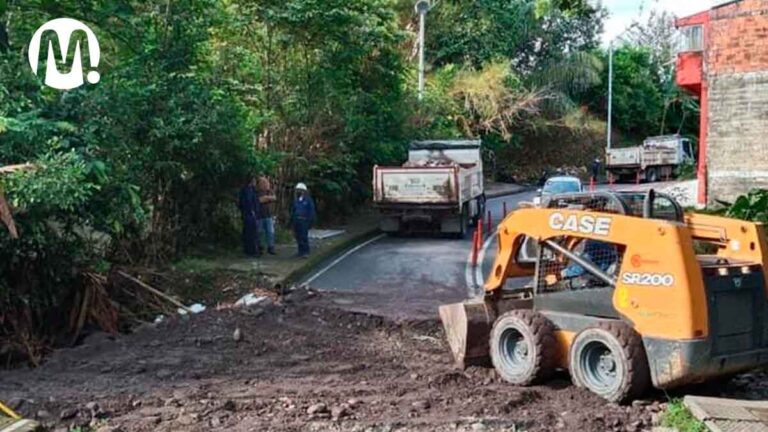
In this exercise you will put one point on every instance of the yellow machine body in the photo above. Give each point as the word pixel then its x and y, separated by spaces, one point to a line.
pixel 692 286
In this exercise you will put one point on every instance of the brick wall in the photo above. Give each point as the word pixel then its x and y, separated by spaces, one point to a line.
pixel 738 38
pixel 737 77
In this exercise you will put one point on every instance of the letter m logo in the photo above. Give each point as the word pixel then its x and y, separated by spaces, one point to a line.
pixel 64 28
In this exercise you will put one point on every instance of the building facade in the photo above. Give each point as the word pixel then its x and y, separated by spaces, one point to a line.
pixel 724 62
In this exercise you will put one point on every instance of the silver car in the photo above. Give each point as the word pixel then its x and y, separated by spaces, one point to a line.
pixel 559 185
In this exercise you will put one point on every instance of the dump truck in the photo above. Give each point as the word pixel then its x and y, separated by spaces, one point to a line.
pixel 657 158
pixel 620 295
pixel 440 186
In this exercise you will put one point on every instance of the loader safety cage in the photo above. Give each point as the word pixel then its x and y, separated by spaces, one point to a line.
pixel 649 205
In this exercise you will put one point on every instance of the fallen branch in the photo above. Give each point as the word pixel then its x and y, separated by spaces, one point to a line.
pixel 82 314
pixel 13 168
pixel 155 291
pixel 6 215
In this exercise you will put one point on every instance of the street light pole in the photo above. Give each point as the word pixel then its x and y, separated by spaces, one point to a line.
pixel 422 7
pixel 610 94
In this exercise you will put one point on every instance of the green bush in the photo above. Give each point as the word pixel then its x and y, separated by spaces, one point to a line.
pixel 677 416
pixel 752 207
pixel 686 171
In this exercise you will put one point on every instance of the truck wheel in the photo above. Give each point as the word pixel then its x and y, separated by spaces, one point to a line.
pixel 651 175
pixel 463 222
pixel 610 361
pixel 523 347
pixel 480 209
pixel 391 226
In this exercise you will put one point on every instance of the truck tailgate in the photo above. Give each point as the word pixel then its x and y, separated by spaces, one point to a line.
pixel 623 156
pixel 433 185
pixel 660 156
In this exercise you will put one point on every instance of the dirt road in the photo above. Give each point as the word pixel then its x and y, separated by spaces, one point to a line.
pixel 300 366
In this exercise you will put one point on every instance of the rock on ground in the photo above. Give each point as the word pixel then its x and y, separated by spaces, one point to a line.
pixel 301 367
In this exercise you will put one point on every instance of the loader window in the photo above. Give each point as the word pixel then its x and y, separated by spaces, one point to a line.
pixel 587 264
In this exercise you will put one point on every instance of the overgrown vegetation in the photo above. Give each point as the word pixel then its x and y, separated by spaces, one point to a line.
pixel 195 95
pixel 752 207
pixel 677 416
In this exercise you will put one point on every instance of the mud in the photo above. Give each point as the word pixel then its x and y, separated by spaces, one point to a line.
pixel 300 366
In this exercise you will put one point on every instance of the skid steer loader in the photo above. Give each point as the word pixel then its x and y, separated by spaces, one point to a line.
pixel 624 290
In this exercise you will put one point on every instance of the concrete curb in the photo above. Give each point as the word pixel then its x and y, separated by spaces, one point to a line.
pixel 498 194
pixel 317 258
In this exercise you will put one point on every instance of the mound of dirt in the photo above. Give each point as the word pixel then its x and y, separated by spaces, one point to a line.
pixel 294 367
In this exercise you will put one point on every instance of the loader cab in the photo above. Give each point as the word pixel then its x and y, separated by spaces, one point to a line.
pixel 574 274
pixel 649 204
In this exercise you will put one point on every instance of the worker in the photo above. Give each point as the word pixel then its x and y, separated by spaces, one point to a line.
pixel 302 218
pixel 248 204
pixel 543 178
pixel 603 255
pixel 266 221
pixel 596 169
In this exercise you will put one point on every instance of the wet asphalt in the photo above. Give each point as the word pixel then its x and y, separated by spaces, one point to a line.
pixel 408 277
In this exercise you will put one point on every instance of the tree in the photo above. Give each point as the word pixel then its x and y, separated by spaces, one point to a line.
pixel 658 35
pixel 637 99
pixel 477 32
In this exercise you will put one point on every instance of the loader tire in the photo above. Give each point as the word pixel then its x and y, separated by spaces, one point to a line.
pixel 610 361
pixel 523 347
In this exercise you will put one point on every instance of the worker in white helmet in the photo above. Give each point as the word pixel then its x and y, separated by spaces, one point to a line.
pixel 302 217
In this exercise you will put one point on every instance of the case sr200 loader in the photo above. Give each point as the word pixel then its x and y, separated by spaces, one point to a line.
pixel 627 291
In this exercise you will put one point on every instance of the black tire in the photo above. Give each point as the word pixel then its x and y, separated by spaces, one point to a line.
pixel 481 206
pixel 610 361
pixel 651 175
pixel 523 347
pixel 462 234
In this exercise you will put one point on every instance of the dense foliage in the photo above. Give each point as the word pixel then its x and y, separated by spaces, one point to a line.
pixel 196 95
pixel 752 206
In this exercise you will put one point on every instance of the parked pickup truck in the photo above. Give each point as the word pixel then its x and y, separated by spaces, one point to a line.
pixel 441 185
pixel 655 159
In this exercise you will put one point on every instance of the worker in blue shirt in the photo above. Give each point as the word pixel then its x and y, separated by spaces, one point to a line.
pixel 249 206
pixel 302 217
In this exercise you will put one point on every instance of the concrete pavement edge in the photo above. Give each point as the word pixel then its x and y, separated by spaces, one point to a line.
pixel 320 256
pixel 501 193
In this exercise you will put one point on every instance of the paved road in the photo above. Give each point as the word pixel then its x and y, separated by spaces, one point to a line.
pixel 408 278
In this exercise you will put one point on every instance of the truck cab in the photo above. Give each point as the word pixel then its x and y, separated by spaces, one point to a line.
pixel 656 159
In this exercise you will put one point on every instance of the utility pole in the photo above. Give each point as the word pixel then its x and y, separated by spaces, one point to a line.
pixel 610 95
pixel 422 7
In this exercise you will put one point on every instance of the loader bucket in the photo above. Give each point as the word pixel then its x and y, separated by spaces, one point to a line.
pixel 468 327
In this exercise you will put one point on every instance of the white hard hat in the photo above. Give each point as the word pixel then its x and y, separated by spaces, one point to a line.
pixel 301 186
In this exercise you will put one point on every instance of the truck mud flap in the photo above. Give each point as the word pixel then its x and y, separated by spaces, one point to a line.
pixel 452 225
pixel 389 224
